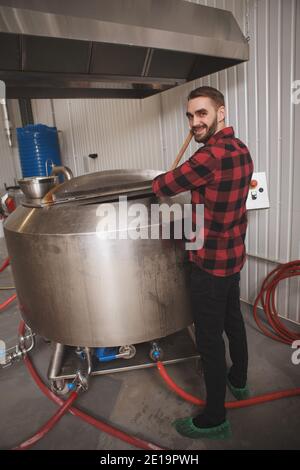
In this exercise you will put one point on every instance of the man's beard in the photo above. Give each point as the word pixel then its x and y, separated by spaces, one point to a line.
pixel 210 131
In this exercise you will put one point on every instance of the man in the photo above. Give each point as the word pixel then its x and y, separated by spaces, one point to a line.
pixel 218 175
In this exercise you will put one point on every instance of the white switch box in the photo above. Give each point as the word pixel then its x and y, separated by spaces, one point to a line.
pixel 258 192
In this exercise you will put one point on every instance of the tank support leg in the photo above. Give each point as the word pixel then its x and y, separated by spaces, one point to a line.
pixel 57 385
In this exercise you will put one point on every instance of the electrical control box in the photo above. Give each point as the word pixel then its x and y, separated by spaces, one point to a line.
pixel 258 192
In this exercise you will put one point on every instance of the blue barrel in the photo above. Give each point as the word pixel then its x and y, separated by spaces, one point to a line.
pixel 38 149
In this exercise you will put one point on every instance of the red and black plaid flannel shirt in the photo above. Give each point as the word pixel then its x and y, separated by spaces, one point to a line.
pixel 218 175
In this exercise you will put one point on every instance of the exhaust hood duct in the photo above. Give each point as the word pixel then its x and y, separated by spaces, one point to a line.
pixel 112 48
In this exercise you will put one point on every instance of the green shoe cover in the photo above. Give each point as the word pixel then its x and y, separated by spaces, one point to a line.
pixel 186 427
pixel 239 393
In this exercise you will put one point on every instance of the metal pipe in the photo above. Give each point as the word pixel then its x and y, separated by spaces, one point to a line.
pixel 89 360
pixel 56 361
pixel 72 376
pixel 7 126
pixel 67 172
pixel 250 255
pixel 22 341
pixel 20 350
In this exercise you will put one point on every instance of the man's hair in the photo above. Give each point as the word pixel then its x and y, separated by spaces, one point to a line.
pixel 207 91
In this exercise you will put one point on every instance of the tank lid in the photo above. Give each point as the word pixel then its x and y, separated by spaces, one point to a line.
pixel 103 185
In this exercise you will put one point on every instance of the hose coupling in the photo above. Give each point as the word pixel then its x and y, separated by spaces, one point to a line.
pixel 25 345
pixel 80 383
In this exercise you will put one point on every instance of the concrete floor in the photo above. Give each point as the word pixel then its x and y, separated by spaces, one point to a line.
pixel 138 402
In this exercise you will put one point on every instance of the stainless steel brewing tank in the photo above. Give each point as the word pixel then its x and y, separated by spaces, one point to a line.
pixel 77 289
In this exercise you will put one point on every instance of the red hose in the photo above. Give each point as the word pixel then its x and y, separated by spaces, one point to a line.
pixel 267 298
pixel 232 404
pixel 140 443
pixel 89 419
pixel 10 299
pixel 5 264
pixel 49 425
pixel 7 302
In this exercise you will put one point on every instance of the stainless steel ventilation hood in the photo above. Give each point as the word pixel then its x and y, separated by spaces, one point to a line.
pixel 112 48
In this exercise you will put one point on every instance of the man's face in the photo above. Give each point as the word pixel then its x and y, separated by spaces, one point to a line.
pixel 204 119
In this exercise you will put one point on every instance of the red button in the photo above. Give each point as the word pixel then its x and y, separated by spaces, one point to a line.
pixel 253 184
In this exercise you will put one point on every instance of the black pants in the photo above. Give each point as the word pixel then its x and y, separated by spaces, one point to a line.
pixel 216 308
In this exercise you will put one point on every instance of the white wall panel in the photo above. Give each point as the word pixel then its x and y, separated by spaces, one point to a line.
pixel 295 243
pixel 124 133
pixel 43 113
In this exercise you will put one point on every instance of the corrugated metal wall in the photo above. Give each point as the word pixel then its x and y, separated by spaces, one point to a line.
pixel 124 133
pixel 260 108
pixel 148 134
